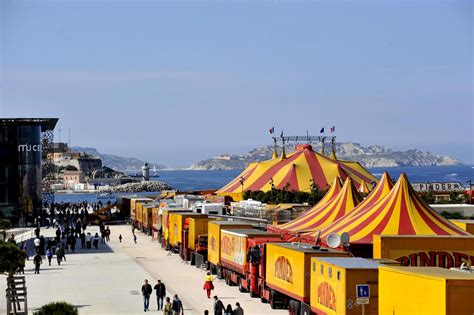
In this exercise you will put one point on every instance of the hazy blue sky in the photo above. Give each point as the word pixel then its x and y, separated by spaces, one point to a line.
pixel 179 82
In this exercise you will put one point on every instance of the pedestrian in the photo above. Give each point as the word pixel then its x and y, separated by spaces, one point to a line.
pixel 37 243
pixel 96 241
pixel 107 234
pixel 160 291
pixel 218 306
pixel 88 240
pixel 73 243
pixel 228 310
pixel 49 255
pixel 83 240
pixel 238 310
pixel 167 308
pixel 58 255
pixel 135 238
pixel 63 252
pixel 177 306
pixel 208 285
pixel 146 291
pixel 37 261
pixel 206 312
pixel 120 238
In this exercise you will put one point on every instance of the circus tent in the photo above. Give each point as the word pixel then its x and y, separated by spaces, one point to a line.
pixel 363 187
pixel 296 171
pixel 400 212
pixel 382 189
pixel 324 214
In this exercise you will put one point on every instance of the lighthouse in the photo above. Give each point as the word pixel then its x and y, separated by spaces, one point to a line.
pixel 146 171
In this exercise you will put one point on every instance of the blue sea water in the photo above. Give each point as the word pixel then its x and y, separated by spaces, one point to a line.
pixel 197 180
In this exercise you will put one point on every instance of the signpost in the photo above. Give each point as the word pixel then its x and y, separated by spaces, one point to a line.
pixel 362 295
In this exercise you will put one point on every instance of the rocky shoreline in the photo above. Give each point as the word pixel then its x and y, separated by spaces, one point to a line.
pixel 141 187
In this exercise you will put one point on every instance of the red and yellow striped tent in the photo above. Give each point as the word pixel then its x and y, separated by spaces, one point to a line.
pixel 400 212
pixel 296 171
pixel 382 189
pixel 335 208
pixel 363 187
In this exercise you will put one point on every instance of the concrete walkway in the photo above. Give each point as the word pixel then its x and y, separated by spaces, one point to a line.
pixel 108 280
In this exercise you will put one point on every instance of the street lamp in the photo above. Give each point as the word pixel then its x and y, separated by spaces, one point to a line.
pixel 469 181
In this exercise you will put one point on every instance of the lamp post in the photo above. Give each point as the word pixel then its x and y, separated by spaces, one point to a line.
pixel 469 181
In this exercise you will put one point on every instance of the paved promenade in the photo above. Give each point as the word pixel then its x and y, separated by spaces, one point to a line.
pixel 108 280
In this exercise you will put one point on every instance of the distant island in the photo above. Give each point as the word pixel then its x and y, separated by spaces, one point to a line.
pixel 371 156
pixel 116 162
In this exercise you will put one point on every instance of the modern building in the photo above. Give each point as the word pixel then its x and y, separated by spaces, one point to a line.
pixel 21 151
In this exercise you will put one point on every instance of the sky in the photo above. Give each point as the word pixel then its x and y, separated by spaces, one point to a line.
pixel 178 82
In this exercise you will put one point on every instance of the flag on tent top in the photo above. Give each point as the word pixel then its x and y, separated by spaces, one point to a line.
pixel 333 128
pixel 281 134
pixel 272 130
pixel 322 130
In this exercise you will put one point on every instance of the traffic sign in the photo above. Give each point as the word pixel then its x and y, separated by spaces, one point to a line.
pixel 362 291
pixel 362 301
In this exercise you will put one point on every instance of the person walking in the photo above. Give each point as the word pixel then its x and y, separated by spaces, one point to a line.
pixel 37 243
pixel 63 252
pixel 208 285
pixel 218 306
pixel 37 261
pixel 228 310
pixel 177 306
pixel 83 240
pixel 160 291
pixel 49 255
pixel 146 291
pixel 96 241
pixel 120 238
pixel 238 310
pixel 167 308
pixel 58 255
pixel 73 243
pixel 107 234
pixel 135 238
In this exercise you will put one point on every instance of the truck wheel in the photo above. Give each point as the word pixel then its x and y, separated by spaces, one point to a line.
pixel 296 307
pixel 241 287
pixel 272 297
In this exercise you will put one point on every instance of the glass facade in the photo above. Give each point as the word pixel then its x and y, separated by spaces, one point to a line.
pixel 20 168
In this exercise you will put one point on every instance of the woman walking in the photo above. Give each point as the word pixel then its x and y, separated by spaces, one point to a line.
pixel 208 285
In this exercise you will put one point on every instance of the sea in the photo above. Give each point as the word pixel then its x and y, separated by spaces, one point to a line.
pixel 186 180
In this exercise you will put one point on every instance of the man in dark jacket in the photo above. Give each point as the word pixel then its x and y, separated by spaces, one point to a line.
pixel 160 291
pixel 146 292
pixel 38 261
pixel 218 306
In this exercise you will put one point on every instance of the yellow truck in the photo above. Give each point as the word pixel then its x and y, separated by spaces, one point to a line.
pixel 133 207
pixel 197 239
pixel 425 291
pixel 288 269
pixel 214 238
pixel 243 257
pixel 165 221
pixel 431 251
pixel 147 210
pixel 177 225
pixel 334 281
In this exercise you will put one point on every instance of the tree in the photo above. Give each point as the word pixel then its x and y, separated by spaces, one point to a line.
pixel 11 258
pixel 57 308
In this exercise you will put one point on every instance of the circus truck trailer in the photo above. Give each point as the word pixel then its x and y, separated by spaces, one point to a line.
pixel 288 269
pixel 165 222
pixel 147 212
pixel 243 257
pixel 214 241
pixel 431 251
pixel 334 283
pixel 133 207
pixel 197 235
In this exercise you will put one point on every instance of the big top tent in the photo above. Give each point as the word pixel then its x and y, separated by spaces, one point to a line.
pixel 400 212
pixel 297 171
pixel 323 215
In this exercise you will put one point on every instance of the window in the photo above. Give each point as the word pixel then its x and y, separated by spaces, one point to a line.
pixel 330 272
pixel 322 269
pixel 339 275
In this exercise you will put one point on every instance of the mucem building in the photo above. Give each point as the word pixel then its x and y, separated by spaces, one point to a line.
pixel 24 163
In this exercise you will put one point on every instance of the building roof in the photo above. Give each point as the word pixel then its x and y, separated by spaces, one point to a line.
pixel 350 263
pixel 252 232
pixel 45 123
pixel 432 272
pixel 305 248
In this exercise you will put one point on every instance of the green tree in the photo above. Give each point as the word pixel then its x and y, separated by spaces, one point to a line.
pixel 11 258
pixel 57 308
